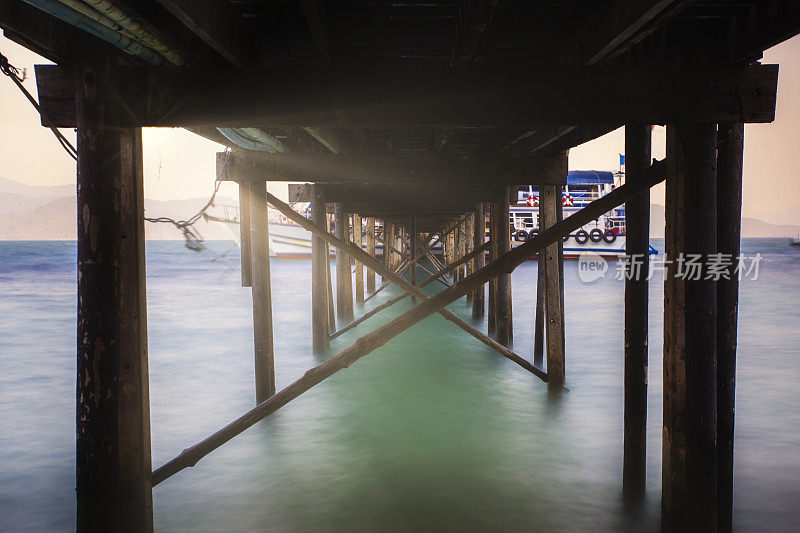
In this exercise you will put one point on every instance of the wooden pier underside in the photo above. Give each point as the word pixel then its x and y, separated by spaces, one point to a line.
pixel 414 121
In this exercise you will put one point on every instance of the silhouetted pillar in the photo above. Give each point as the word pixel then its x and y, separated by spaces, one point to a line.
pixel 479 235
pixel 344 283
pixel 319 277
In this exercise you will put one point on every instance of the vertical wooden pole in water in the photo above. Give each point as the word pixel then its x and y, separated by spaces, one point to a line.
pixel 693 147
pixel 113 480
pixel 549 203
pixel 262 293
pixel 319 278
pixel 331 313
pixel 541 299
pixel 673 446
pixel 493 252
pixel 371 251
pixel 729 219
pixel 479 236
pixel 637 247
pixel 505 325
pixel 344 284
pixel 244 232
pixel 412 273
pixel 468 247
pixel 358 240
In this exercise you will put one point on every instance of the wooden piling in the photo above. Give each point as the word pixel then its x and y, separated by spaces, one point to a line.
pixel 637 247
pixel 673 452
pixel 329 281
pixel 729 218
pixel 262 293
pixel 468 247
pixel 479 236
pixel 344 283
pixel 371 251
pixel 413 251
pixel 244 232
pixel 505 324
pixel 319 280
pixel 359 277
pixel 113 464
pixel 693 147
pixel 493 254
pixel 549 202
pixel 541 299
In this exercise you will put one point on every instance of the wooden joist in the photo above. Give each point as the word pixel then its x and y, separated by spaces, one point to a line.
pixel 399 172
pixel 373 340
pixel 223 96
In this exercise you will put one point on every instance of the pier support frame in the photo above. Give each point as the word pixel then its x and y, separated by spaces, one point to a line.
pixel 113 465
pixel 637 247
pixel 359 274
pixel 344 284
pixel 262 292
pixel 729 219
pixel 689 475
pixel 244 233
pixel 491 318
pixel 319 277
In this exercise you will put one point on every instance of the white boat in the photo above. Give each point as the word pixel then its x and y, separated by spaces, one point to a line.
pixel 604 236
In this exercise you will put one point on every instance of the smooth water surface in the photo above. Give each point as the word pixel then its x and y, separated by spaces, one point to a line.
pixel 433 431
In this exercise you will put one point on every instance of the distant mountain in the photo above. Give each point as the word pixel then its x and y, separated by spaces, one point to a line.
pixel 790 216
pixel 49 213
pixel 751 227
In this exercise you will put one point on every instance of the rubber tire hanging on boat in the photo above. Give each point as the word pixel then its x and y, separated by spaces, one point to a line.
pixel 565 238
pixel 596 235
pixel 521 235
pixel 610 236
pixel 582 237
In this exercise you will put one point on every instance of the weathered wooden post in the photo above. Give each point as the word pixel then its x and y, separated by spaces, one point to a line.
pixel 479 236
pixel 541 309
pixel 690 499
pixel 469 241
pixel 493 254
pixel 549 203
pixel 114 489
pixel 358 240
pixel 329 281
pixel 244 232
pixel 262 293
pixel 344 283
pixel 637 248
pixel 319 280
pixel 505 326
pixel 371 251
pixel 729 218
pixel 413 250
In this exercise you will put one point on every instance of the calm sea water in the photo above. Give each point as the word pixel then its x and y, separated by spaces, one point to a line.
pixel 431 432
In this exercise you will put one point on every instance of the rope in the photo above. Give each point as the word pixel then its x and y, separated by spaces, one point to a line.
pixel 193 238
pixel 14 73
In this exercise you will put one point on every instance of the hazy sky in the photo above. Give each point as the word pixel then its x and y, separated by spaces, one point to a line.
pixel 179 164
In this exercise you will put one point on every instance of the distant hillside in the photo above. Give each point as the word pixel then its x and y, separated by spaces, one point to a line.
pixel 790 216
pixel 56 220
pixel 751 227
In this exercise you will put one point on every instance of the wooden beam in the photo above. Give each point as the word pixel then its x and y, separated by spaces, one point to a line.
pixel 637 248
pixel 369 342
pixel 263 343
pixel 549 201
pixel 218 23
pixel 479 236
pixel 359 277
pixel 244 233
pixel 399 170
pixel 223 96
pixel 371 251
pixel 729 219
pixel 319 283
pixel 505 325
pixel 113 485
pixel 318 25
pixel 393 193
pixel 616 26
pixel 344 283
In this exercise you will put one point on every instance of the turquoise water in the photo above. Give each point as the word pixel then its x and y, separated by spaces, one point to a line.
pixel 431 432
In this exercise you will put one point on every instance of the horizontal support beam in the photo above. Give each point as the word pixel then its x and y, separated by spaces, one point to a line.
pixel 397 169
pixel 292 96
pixel 396 193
